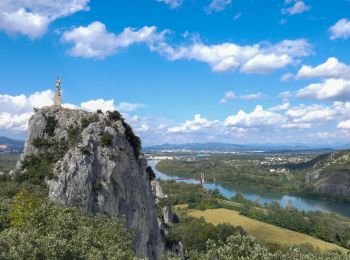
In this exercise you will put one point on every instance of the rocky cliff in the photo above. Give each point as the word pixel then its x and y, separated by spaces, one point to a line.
pixel 331 175
pixel 92 161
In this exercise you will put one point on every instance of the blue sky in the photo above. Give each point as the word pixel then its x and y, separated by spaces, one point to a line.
pixel 184 71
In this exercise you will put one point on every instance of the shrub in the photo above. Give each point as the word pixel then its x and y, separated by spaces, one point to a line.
pixel 97 185
pixel 150 173
pixel 133 139
pixel 56 232
pixel 51 124
pixel 106 139
pixel 38 168
pixel 74 135
pixel 85 151
pixel 86 121
pixel 114 115
pixel 21 206
pixel 40 143
pixel 99 111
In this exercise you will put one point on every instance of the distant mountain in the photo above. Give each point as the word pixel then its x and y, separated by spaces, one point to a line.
pixel 215 146
pixel 8 145
pixel 197 146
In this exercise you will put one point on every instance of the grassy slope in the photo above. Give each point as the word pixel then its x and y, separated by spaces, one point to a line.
pixel 262 231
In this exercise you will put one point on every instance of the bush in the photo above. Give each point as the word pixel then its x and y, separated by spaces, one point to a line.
pixel 86 121
pixel 106 139
pixel 85 151
pixel 133 139
pixel 74 135
pixel 114 115
pixel 150 173
pixel 50 231
pixel 51 124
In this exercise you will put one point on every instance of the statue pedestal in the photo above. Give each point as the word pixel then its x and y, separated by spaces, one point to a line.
pixel 57 100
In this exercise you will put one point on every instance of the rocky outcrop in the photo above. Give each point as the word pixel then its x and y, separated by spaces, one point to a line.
pixel 97 169
pixel 331 175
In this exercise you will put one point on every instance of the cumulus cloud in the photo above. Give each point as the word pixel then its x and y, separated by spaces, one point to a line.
pixel 94 41
pixel 258 118
pixel 195 125
pixel 281 107
pixel 32 18
pixel 330 89
pixel 16 110
pixel 257 58
pixel 93 105
pixel 332 68
pixel 217 5
pixel 172 3
pixel 310 114
pixel 297 8
pixel 344 124
pixel 340 30
pixel 335 84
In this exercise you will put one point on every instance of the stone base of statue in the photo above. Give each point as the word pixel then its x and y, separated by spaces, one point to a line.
pixel 57 100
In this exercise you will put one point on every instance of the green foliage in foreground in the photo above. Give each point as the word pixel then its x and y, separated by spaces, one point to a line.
pixel 30 230
pixel 247 248
pixel 194 233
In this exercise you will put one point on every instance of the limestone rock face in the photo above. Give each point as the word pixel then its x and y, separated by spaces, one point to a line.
pixel 98 177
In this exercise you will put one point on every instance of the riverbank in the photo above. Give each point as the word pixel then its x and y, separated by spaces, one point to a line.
pixel 302 202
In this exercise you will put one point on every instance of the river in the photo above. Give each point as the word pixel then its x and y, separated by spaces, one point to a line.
pixel 298 202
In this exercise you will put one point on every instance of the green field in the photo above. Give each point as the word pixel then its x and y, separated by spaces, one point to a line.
pixel 264 232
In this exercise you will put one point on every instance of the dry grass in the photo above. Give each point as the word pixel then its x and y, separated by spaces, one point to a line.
pixel 262 231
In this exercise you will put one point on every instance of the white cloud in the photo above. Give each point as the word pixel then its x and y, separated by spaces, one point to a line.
pixel 310 114
pixel 237 16
pixel 297 8
pixel 257 58
pixel 93 105
pixel 94 41
pixel 265 63
pixel 332 68
pixel 32 18
pixel 259 118
pixel 129 107
pixel 195 125
pixel 252 96
pixel 340 30
pixel 16 110
pixel 229 95
pixel 281 107
pixel 344 125
pixel 217 5
pixel 287 76
pixel 172 3
pixel 330 89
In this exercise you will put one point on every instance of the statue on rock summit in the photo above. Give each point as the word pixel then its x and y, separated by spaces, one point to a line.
pixel 57 99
